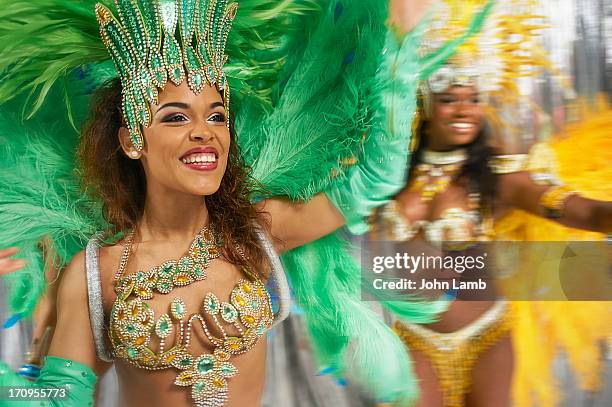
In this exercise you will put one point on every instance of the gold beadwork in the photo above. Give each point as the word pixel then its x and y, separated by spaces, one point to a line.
pixel 508 164
pixel 133 324
pixel 453 354
pixel 553 200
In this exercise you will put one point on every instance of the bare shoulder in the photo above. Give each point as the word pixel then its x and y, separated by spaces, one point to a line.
pixel 73 284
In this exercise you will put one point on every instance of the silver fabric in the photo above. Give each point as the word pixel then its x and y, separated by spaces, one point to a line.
pixel 14 341
pixel 292 377
pixel 279 281
pixel 94 295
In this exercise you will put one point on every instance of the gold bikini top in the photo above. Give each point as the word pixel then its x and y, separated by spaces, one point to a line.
pixel 454 224
pixel 133 323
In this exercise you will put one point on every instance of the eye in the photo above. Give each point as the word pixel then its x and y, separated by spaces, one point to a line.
pixel 217 117
pixel 447 100
pixel 174 118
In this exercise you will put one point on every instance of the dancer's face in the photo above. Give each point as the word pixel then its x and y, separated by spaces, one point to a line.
pixel 186 147
pixel 456 118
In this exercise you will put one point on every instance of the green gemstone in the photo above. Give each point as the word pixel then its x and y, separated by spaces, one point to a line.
pixel 198 272
pixel 200 242
pixel 185 362
pixel 159 77
pixel 197 79
pixel 132 353
pixel 164 327
pixel 135 137
pixel 212 304
pixel 143 116
pixel 178 308
pixel 184 264
pixel 156 62
pixel 261 329
pixel 255 304
pixel 150 93
pixel 228 370
pixel 176 74
pixel 167 269
pixel 229 313
pixel 210 73
pixel 206 364
pixel 164 286
pixel 140 276
pixel 199 387
pixel 130 328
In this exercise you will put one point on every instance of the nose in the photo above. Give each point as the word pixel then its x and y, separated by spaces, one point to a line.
pixel 201 133
pixel 465 108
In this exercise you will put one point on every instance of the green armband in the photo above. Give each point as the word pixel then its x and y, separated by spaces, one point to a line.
pixel 78 380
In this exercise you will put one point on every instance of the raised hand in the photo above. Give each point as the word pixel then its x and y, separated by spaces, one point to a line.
pixel 8 265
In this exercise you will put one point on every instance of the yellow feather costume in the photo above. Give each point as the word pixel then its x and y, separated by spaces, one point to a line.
pixel 579 329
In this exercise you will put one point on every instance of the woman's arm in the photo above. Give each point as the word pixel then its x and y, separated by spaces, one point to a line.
pixel 406 14
pixel 71 367
pixel 520 191
pixel 293 224
pixel 73 338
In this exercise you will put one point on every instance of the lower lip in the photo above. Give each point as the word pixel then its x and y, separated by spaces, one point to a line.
pixel 202 166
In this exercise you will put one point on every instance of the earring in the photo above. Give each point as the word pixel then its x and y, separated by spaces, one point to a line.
pixel 134 155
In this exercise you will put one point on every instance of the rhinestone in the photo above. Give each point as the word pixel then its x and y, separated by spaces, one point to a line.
pixel 228 370
pixel 211 304
pixel 228 312
pixel 178 308
pixel 206 364
pixel 199 387
pixel 163 326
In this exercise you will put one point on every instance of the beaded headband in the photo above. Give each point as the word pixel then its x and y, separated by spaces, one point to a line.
pixel 506 49
pixel 147 50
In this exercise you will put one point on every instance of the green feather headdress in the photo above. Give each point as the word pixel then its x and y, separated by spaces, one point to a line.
pixel 70 32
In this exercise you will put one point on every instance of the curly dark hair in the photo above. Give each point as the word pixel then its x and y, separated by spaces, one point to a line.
pixel 120 183
pixel 476 169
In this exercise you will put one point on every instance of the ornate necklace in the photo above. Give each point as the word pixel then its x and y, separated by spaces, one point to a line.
pixel 132 322
pixel 436 172
pixel 432 177
pixel 444 157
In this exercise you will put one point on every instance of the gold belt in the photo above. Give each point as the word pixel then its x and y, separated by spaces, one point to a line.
pixel 453 354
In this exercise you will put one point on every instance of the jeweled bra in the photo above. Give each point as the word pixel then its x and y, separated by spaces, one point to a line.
pixel 133 324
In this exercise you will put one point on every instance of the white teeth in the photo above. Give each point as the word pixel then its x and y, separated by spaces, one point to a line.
pixel 199 158
pixel 462 126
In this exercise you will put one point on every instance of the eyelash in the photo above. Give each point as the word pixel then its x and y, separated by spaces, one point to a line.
pixel 218 117
pixel 221 117
pixel 170 118
pixel 447 101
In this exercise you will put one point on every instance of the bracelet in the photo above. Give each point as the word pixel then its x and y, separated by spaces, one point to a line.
pixel 508 164
pixel 29 371
pixel 553 200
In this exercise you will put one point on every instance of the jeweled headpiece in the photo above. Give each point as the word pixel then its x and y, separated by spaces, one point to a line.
pixel 148 50
pixel 506 49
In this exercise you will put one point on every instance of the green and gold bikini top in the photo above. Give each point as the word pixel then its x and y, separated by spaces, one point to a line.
pixel 133 323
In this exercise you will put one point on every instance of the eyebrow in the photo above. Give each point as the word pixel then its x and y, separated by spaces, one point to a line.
pixel 181 105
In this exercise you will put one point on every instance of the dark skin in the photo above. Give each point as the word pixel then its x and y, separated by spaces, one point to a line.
pixel 456 119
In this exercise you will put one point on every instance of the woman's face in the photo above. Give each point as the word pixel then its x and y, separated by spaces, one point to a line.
pixel 456 118
pixel 186 147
